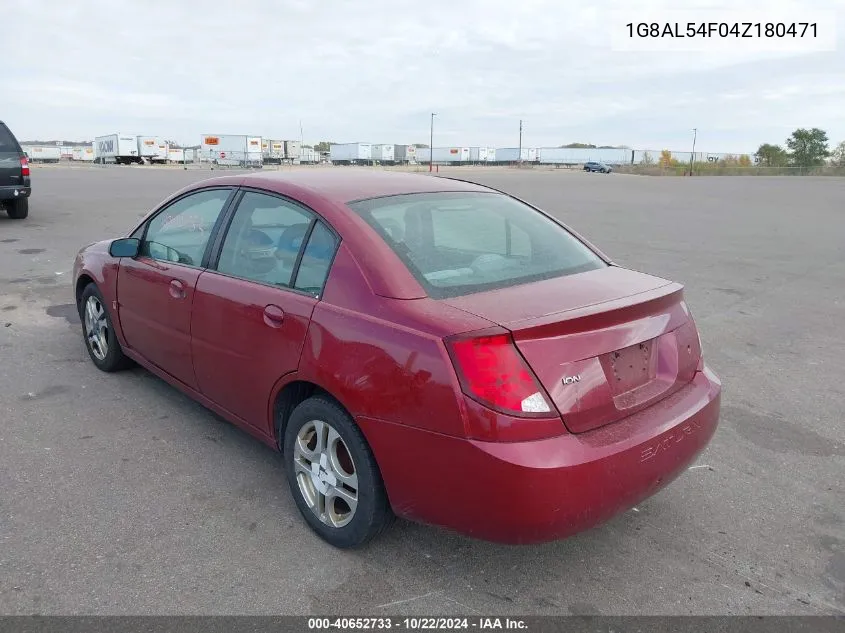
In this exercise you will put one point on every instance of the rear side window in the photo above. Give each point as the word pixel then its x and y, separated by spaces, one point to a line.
pixel 264 240
pixel 7 141
pixel 316 260
pixel 266 243
pixel 460 243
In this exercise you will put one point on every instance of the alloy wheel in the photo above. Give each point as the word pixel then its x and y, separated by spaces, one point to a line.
pixel 96 328
pixel 325 473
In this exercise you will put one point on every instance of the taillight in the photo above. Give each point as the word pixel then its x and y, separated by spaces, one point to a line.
pixel 24 166
pixel 493 372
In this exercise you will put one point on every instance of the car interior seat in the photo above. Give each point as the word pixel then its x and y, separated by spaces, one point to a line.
pixel 288 245
pixel 251 254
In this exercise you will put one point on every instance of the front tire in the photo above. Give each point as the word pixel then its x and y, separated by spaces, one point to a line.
pixel 98 332
pixel 18 209
pixel 333 476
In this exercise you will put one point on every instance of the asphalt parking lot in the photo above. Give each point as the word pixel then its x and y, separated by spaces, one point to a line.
pixel 118 495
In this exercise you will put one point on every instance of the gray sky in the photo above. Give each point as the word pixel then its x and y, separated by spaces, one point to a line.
pixel 373 70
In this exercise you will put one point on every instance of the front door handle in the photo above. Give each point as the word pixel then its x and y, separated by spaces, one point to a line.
pixel 274 316
pixel 177 289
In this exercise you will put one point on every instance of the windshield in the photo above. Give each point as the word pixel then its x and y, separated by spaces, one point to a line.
pixel 460 243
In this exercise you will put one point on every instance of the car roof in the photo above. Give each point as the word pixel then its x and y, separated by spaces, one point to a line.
pixel 344 184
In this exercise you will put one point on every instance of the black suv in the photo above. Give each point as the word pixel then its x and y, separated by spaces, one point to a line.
pixel 14 176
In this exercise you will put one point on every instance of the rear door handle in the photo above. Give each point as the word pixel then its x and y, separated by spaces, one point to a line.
pixel 274 316
pixel 177 289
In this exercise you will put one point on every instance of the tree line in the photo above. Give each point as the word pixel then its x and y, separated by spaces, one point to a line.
pixel 804 148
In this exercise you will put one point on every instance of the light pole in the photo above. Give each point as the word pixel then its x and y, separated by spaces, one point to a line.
pixel 692 155
pixel 431 144
pixel 520 142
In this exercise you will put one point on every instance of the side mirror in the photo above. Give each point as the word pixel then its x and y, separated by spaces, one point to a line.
pixel 125 247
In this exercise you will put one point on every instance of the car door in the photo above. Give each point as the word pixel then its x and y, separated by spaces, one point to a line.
pixel 253 306
pixel 155 290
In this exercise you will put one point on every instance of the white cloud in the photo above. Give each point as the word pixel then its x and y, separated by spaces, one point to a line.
pixel 374 70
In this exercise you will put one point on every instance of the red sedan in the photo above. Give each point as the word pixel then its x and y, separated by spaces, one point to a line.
pixel 413 345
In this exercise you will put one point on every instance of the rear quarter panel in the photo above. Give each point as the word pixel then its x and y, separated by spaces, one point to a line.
pixel 384 358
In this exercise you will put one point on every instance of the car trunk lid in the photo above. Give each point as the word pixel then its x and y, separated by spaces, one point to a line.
pixel 604 343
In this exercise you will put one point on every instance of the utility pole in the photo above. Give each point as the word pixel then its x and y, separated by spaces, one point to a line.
pixel 431 146
pixel 692 155
pixel 520 141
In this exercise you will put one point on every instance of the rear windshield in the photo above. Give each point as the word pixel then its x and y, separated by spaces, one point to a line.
pixel 460 243
pixel 7 141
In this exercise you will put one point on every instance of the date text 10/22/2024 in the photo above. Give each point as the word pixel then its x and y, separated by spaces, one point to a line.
pixel 416 624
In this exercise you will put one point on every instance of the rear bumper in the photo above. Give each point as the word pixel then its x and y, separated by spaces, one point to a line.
pixel 13 192
pixel 543 490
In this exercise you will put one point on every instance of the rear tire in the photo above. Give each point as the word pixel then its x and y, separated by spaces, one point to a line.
pixel 333 476
pixel 18 209
pixel 98 332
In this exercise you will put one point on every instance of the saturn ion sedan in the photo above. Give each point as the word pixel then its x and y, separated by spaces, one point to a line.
pixel 414 346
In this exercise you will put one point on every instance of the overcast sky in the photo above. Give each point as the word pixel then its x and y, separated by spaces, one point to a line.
pixel 374 70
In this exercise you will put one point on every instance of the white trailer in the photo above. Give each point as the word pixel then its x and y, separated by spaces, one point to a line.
pixel 43 153
pixel 451 154
pixel 580 155
pixel 273 151
pixel 253 151
pixel 444 155
pixel 85 153
pixel 404 153
pixel 116 148
pixel 308 156
pixel 514 155
pixel 383 153
pixel 153 149
pixel 351 153
pixel 175 155
pixel 237 150
pixel 478 155
pixel 292 150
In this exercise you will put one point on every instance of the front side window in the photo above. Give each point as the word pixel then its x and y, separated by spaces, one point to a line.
pixel 180 233
pixel 459 243
pixel 264 240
